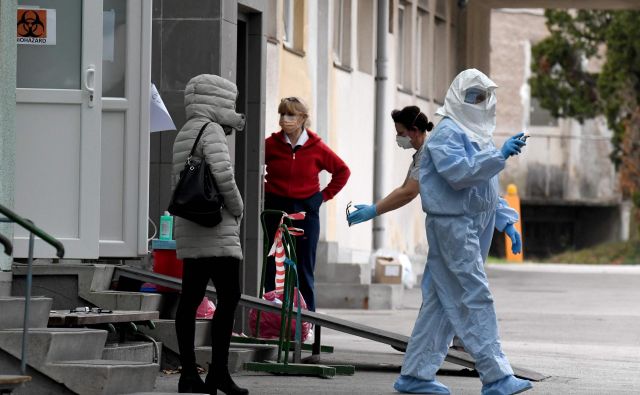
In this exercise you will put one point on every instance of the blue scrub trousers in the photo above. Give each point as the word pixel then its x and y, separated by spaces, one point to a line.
pixel 456 299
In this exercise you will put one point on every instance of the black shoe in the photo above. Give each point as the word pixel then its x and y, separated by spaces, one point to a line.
pixel 191 382
pixel 220 379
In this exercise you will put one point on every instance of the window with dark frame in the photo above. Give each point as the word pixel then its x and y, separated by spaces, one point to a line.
pixel 404 46
pixel 342 33
pixel 293 16
pixel 441 47
pixel 423 50
pixel 366 35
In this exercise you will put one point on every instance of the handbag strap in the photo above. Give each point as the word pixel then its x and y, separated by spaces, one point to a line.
pixel 195 144
pixel 193 149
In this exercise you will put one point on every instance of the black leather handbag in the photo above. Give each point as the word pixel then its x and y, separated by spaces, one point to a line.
pixel 196 195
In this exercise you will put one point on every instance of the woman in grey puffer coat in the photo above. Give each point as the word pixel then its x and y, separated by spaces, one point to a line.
pixel 209 253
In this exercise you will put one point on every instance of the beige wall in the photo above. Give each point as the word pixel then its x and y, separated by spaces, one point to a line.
pixel 351 115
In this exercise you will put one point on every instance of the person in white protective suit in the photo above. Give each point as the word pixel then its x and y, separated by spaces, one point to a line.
pixel 459 193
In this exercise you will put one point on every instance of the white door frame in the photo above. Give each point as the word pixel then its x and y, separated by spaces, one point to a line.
pixel 31 201
pixel 133 187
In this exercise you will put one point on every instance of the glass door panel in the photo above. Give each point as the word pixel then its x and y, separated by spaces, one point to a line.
pixel 55 66
pixel 114 47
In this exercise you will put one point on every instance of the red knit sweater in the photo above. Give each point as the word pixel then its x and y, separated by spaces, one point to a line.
pixel 295 174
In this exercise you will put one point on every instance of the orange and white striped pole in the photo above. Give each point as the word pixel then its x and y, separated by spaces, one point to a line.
pixel 514 202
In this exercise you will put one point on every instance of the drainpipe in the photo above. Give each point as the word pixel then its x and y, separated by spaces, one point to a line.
pixel 8 50
pixel 378 145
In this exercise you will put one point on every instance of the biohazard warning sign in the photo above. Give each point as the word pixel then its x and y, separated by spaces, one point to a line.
pixel 36 26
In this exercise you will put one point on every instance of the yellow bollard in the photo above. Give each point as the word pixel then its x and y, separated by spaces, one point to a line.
pixel 514 202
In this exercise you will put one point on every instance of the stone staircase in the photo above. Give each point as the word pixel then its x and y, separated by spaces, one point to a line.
pixel 239 353
pixel 66 360
pixel 78 284
pixel 348 285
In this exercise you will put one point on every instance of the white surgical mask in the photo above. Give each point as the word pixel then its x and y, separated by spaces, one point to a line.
pixel 404 142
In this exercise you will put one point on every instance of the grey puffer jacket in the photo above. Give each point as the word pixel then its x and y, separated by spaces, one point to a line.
pixel 209 98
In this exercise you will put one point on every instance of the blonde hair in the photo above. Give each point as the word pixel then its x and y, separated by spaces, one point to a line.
pixel 295 106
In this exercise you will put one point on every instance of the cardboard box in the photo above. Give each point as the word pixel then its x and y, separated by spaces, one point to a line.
pixel 388 271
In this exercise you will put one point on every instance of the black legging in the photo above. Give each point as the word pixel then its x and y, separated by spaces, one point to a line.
pixel 225 274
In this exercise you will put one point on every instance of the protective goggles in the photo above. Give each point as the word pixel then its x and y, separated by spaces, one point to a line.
pixel 476 95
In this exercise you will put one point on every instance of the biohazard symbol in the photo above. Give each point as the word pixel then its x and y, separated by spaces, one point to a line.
pixel 32 23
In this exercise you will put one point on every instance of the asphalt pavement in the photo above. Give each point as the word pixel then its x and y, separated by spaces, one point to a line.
pixel 578 324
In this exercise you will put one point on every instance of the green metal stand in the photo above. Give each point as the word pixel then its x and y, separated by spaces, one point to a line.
pixel 282 365
pixel 259 340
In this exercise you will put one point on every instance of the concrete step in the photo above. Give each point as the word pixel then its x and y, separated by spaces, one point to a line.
pixel 352 273
pixel 120 300
pixel 165 332
pixel 55 344
pixel 40 383
pixel 133 351
pixel 385 296
pixel 12 308
pixel 69 284
pixel 358 296
pixel 98 377
pixel 239 353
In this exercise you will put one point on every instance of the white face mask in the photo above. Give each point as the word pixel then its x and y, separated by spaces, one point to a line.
pixel 404 142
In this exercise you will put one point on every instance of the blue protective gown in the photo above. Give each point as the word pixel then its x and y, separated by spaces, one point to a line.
pixel 459 193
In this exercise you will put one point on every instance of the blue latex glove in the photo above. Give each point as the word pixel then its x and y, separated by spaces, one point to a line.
pixel 512 146
pixel 516 242
pixel 364 212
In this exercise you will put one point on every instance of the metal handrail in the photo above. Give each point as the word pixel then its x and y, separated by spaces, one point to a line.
pixel 33 230
pixel 8 247
pixel 28 225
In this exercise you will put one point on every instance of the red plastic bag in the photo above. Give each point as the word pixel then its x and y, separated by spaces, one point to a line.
pixel 270 322
pixel 206 309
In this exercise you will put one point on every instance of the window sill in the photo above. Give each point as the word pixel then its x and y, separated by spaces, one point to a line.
pixel 294 51
pixel 342 67
pixel 273 40
pixel 405 90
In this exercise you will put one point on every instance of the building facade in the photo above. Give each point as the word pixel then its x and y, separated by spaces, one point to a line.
pixel 567 184
pixel 81 163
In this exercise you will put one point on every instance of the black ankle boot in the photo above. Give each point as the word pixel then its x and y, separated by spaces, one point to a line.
pixel 191 382
pixel 220 379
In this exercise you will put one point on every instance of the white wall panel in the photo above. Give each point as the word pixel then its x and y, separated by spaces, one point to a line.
pixel 48 153
pixel 112 197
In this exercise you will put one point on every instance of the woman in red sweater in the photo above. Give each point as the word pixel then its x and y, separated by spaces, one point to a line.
pixel 295 156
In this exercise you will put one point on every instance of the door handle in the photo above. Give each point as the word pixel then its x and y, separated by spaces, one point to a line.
pixel 89 82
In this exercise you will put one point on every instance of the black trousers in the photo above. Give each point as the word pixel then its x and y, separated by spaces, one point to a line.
pixel 225 274
pixel 306 245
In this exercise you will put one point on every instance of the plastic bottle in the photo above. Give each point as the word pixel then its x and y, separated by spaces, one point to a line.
pixel 166 226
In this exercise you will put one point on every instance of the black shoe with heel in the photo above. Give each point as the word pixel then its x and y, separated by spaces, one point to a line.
pixel 220 379
pixel 191 382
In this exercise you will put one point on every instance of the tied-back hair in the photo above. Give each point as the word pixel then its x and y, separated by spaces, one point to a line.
pixel 411 117
pixel 294 106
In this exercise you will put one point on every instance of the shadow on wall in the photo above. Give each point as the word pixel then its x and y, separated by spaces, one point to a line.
pixel 545 181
